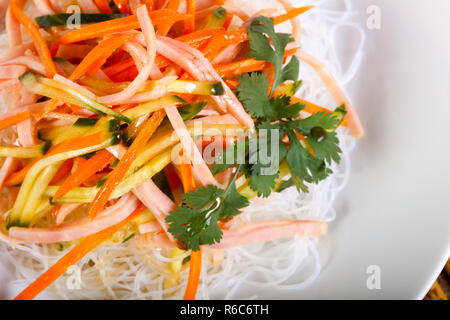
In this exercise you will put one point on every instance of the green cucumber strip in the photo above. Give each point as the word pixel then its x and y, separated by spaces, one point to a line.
pixel 217 19
pixel 99 108
pixel 24 153
pixel 16 218
pixel 62 19
pixel 152 106
pixel 208 88
pixel 86 195
pixel 31 82
pixel 86 122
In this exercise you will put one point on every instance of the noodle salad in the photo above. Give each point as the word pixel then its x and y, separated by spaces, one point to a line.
pixel 167 149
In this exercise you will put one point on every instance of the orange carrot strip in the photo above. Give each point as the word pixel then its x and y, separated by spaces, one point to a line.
pixel 38 40
pixel 187 174
pixel 103 5
pixel 237 68
pixel 74 144
pixel 85 171
pixel 174 5
pixel 63 172
pixel 194 275
pixel 189 25
pixel 98 56
pixel 117 25
pixel 224 39
pixel 119 67
pixel 187 178
pixel 165 28
pixel 122 5
pixel 15 119
pixel 73 256
pixel 313 108
pixel 117 175
pixel 291 14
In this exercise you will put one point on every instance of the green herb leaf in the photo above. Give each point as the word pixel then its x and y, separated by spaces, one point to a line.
pixel 260 32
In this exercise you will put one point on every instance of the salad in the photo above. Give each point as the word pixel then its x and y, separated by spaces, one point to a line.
pixel 158 123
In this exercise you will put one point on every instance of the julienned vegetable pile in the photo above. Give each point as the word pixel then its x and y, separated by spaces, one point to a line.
pixel 108 120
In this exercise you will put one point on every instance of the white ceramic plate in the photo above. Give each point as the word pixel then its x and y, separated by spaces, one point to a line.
pixel 395 213
pixel 394 217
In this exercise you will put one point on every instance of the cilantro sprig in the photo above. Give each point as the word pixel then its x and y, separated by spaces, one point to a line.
pixel 195 222
pixel 307 145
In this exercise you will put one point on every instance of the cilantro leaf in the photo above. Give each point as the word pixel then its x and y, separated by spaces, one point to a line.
pixel 195 222
pixel 232 203
pixel 327 149
pixel 201 197
pixel 231 157
pixel 193 228
pixel 284 109
pixel 263 184
pixel 252 91
pixel 260 32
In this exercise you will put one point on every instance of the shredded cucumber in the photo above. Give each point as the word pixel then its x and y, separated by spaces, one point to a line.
pixel 20 152
pixel 17 216
pixel 62 19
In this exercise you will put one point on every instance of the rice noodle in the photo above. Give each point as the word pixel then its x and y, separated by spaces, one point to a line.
pixel 135 270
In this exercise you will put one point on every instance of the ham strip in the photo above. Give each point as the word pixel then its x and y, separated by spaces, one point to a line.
pixel 64 211
pixel 354 123
pixel 200 167
pixel 149 227
pixel 11 72
pixel 201 69
pixel 157 202
pixel 88 6
pixel 27 132
pixel 78 229
pixel 9 166
pixel 32 62
pixel 43 6
pixel 15 52
pixel 269 231
pixel 150 38
pixel 13 30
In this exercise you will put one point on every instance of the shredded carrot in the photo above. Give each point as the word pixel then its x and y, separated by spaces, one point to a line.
pixel 70 145
pixel 117 25
pixel 239 67
pixel 103 5
pixel 187 178
pixel 174 5
pixel 291 14
pixel 73 256
pixel 122 5
pixel 98 56
pixel 38 40
pixel 15 119
pixel 225 39
pixel 194 275
pixel 165 28
pixel 197 40
pixel 189 25
pixel 85 171
pixel 228 20
pixel 187 174
pixel 63 172
pixel 117 175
